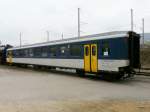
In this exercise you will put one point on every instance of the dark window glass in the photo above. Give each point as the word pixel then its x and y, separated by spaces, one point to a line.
pixel 26 53
pixel 31 52
pixel 63 50
pixel 44 51
pixel 86 50
pixel 53 51
pixel 93 50
pixel 21 53
pixel 105 49
pixel 37 52
pixel 16 53
pixel 75 50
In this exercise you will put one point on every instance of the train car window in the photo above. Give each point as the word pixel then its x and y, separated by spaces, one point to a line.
pixel 63 50
pixel 14 53
pixel 105 49
pixel 26 53
pixel 17 53
pixel 21 53
pixel 44 51
pixel 53 51
pixel 93 50
pixel 75 50
pixel 86 50
pixel 37 52
pixel 31 52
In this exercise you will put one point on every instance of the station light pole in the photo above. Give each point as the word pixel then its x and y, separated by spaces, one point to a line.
pixel 78 22
pixel 132 23
pixel 62 36
pixel 143 34
pixel 47 32
pixel 20 37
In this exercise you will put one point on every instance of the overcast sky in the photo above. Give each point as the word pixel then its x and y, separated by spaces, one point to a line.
pixel 34 17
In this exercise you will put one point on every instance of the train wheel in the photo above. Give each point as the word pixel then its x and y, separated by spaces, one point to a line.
pixel 80 73
pixel 111 76
pixel 36 67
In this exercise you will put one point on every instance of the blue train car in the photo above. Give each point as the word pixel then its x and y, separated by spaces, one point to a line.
pixel 112 52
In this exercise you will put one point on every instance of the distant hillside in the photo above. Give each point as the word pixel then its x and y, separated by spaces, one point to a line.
pixel 147 42
pixel 145 51
pixel 145 57
pixel 146 37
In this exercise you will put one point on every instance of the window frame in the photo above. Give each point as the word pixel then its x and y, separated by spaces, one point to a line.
pixel 106 49
pixel 94 53
pixel 37 51
pixel 64 54
pixel 87 51
pixel 26 52
pixel 77 47
pixel 52 48
pixel 31 51
pixel 44 50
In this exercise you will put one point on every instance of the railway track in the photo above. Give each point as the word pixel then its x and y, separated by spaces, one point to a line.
pixel 144 71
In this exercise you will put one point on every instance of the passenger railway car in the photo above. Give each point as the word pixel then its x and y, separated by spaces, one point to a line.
pixel 112 52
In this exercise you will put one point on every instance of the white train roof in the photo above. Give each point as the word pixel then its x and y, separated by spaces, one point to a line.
pixel 114 34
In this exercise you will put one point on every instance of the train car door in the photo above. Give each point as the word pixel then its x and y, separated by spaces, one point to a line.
pixel 87 63
pixel 94 63
pixel 90 58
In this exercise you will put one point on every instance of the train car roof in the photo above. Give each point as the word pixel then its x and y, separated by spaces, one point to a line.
pixel 114 34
